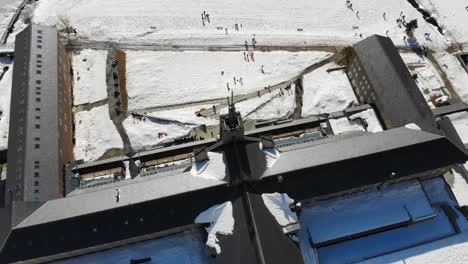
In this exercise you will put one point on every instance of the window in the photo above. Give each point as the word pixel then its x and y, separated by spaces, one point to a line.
pixel 39 32
pixel 39 55
pixel 36 183
pixel 38 109
pixel 38 99
pixel 39 66
pixel 37 139
pixel 38 81
pixel 38 88
pixel 39 46
pixel 36 174
pixel 36 191
pixel 38 93
pixel 39 61
pixel 38 117
pixel 39 41
pixel 37 126
pixel 38 72
pixel 37 146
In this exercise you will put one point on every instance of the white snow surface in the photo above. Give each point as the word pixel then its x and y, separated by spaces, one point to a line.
pixel 161 78
pixel 186 115
pixel 89 68
pixel 460 122
pixel 7 10
pixel 343 125
pixel 460 188
pixel 369 115
pixel 277 108
pixel 413 126
pixel 214 168
pixel 451 16
pixel 222 221
pixel 278 205
pixel 5 97
pixel 456 74
pixel 144 134
pixel 326 92
pixel 179 22
pixel 95 134
pixel 429 80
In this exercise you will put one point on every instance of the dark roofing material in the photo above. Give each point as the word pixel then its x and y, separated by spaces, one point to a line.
pixel 450 109
pixel 397 94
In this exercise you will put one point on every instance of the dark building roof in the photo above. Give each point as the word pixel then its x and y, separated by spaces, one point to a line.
pixel 398 96
pixel 174 201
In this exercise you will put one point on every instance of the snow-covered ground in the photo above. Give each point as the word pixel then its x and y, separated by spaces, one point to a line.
pixel 168 21
pixel 460 122
pixel 326 92
pixel 95 134
pixel 144 134
pixel 277 108
pixel 5 97
pixel 451 15
pixel 428 78
pixel 185 115
pixel 370 118
pixel 7 11
pixel 89 72
pixel 152 76
pixel 455 73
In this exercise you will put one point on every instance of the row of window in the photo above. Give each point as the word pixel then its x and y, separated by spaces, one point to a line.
pixel 37 117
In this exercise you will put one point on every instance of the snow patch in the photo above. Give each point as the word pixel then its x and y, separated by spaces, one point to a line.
pixel 326 92
pixel 151 132
pixel 413 126
pixel 186 115
pixel 278 205
pixel 95 134
pixel 89 73
pixel 343 125
pixel 370 117
pixel 221 221
pixel 213 169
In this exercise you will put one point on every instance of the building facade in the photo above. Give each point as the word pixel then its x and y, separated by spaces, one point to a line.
pixel 379 77
pixel 41 124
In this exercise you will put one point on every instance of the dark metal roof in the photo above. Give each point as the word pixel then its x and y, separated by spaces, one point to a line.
pixel 398 96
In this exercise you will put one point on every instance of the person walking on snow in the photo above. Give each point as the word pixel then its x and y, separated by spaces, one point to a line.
pixel 252 56
pixel 384 16
pixel 235 82
pixel 203 19
pixel 227 85
pixel 261 69
pixel 246 45
pixel 245 57
pixel 208 18
pixel 240 80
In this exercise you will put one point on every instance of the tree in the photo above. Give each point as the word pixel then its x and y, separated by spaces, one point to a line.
pixel 64 25
pixel 411 26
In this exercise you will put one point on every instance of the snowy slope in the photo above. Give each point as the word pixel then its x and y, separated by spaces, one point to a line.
pixel 277 108
pixel 89 72
pixel 169 21
pixel 144 134
pixel 153 76
pixel 326 92
pixel 343 125
pixel 95 133
pixel 185 115
pixel 5 97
